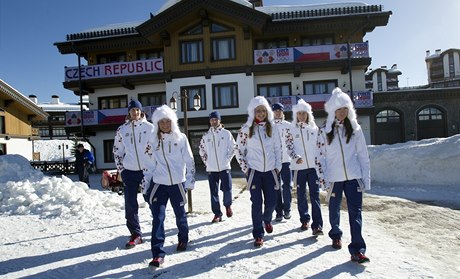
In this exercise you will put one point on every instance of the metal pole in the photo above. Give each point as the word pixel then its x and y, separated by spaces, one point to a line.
pixel 184 99
pixel 349 72
pixel 80 91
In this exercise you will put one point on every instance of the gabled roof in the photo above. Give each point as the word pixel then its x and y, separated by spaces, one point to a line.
pixel 263 19
pixel 176 11
pixel 15 96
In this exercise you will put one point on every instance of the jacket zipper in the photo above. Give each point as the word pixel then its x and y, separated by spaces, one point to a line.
pixel 304 149
pixel 166 161
pixel 261 144
pixel 343 156
pixel 135 146
pixel 215 150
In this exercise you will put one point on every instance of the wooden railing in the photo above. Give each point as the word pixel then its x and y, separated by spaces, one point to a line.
pixel 54 167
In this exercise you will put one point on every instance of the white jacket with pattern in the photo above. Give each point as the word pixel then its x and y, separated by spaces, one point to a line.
pixel 129 144
pixel 217 148
pixel 341 161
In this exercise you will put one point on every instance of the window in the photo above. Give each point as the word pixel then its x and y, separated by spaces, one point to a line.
pixel 225 95
pixel 191 51
pixel 149 54
pixel 223 49
pixel 113 102
pixel 217 28
pixel 451 65
pixel 2 124
pixel 111 58
pixel 272 44
pixel 44 132
pixel 191 92
pixel 319 87
pixel 108 151
pixel 379 82
pixel 59 132
pixel 58 118
pixel 316 41
pixel 153 99
pixel 195 30
pixel 388 116
pixel 274 90
pixel 430 113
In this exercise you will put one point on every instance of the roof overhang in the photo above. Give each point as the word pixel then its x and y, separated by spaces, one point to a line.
pixel 11 96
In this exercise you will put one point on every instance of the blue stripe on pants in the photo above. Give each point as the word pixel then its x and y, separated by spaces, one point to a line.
pixel 158 208
pixel 225 179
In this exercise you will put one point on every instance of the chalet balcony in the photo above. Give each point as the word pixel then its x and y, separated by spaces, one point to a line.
pixel 110 118
pixel 362 99
pixel 304 54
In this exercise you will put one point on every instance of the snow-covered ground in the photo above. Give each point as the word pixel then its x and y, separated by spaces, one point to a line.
pixel 53 227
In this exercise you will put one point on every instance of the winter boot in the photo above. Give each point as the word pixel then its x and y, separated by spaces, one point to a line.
pixel 133 241
pixel 229 211
pixel 359 258
pixel 337 244
pixel 258 242
pixel 268 228
pixel 181 246
pixel 156 262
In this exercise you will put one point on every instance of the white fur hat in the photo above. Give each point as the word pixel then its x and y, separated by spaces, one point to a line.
pixel 255 102
pixel 339 100
pixel 303 106
pixel 165 112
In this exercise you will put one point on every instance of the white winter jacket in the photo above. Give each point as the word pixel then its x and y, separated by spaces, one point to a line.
pixel 282 125
pixel 169 161
pixel 301 140
pixel 341 161
pixel 129 144
pixel 259 152
pixel 217 148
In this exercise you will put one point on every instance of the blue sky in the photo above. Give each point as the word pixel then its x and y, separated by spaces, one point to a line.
pixel 32 64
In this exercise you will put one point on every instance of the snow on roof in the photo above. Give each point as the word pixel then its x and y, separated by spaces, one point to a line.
pixel 49 107
pixel 293 8
pixel 171 3
pixel 113 26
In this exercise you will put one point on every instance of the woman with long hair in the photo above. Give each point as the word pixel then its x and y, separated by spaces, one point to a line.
pixel 259 154
pixel 343 167
pixel 170 172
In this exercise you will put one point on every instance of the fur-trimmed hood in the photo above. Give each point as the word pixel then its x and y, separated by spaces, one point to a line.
pixel 303 106
pixel 338 100
pixel 255 102
pixel 165 112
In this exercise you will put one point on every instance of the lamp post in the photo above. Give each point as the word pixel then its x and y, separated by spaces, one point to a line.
pixel 184 104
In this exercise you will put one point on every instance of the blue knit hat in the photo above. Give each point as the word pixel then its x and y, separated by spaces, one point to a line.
pixel 214 114
pixel 276 106
pixel 134 104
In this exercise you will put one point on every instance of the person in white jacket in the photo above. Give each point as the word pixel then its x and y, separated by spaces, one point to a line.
pixel 343 166
pixel 129 145
pixel 258 151
pixel 283 203
pixel 301 138
pixel 217 148
pixel 170 172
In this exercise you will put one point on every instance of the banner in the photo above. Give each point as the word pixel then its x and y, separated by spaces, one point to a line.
pixel 310 53
pixel 139 67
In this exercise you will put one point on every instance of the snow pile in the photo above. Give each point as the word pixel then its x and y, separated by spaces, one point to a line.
pixel 26 191
pixel 426 162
